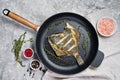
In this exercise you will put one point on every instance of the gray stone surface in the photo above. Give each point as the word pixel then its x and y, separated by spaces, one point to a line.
pixel 37 11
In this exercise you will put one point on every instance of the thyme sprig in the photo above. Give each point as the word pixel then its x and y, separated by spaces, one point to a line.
pixel 17 45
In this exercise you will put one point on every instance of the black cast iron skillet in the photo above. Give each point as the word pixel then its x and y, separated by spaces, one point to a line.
pixel 88 44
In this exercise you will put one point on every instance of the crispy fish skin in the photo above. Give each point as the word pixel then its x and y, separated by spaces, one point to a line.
pixel 66 43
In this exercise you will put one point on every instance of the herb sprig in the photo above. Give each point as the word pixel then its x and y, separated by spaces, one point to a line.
pixel 17 45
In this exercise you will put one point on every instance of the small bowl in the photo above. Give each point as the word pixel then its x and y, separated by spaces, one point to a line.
pixel 35 64
pixel 104 32
pixel 28 53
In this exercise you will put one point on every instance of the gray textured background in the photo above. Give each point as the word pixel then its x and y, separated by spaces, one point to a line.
pixel 37 11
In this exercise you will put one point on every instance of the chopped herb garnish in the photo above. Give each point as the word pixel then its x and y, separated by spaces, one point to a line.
pixel 85 43
pixel 52 54
pixel 56 24
pixel 17 45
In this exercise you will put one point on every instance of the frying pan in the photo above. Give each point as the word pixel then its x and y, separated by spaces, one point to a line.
pixel 88 44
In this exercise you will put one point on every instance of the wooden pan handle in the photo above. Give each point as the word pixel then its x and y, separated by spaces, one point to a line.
pixel 20 19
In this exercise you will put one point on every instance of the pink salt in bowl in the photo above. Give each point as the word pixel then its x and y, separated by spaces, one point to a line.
pixel 106 26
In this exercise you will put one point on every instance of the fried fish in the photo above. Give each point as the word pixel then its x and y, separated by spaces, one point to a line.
pixel 66 43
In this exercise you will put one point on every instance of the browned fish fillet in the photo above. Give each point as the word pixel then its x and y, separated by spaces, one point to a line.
pixel 66 43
